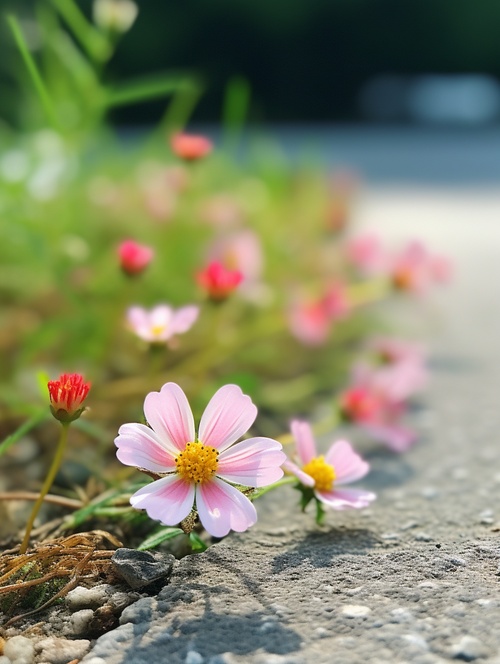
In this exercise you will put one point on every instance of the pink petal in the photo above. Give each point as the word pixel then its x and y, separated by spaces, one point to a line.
pixel 161 316
pixel 348 465
pixel 397 438
pixel 229 415
pixel 291 468
pixel 222 508
pixel 169 415
pixel 306 447
pixel 183 319
pixel 342 499
pixel 139 446
pixel 253 462
pixel 168 500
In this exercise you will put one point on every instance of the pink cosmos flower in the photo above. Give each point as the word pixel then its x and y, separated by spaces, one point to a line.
pixel 326 475
pixel 161 323
pixel 191 147
pixel 134 257
pixel 201 469
pixel 67 395
pixel 218 281
pixel 377 411
pixel 399 368
pixel 239 251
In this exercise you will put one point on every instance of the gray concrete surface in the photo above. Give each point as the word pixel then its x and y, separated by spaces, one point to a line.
pixel 415 578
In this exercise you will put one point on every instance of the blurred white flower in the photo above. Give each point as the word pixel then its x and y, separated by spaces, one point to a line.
pixel 115 15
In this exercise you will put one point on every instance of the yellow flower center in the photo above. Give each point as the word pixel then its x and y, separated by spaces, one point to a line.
pixel 322 473
pixel 158 329
pixel 197 462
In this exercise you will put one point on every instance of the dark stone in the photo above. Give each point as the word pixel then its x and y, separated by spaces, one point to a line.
pixel 142 568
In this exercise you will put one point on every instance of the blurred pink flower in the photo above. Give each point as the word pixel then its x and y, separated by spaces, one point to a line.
pixel 311 321
pixel 199 470
pixel 399 369
pixel 368 254
pixel 239 251
pixel 415 269
pixel 191 147
pixel 368 404
pixel 219 282
pixel 326 475
pixel 134 258
pixel 161 323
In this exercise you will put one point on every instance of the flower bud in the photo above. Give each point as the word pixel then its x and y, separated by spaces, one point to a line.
pixel 67 395
pixel 134 257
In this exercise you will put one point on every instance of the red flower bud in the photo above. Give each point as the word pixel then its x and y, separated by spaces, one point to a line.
pixel 67 395
pixel 218 281
pixel 191 147
pixel 134 257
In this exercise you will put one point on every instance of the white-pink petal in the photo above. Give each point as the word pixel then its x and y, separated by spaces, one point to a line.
pixel 228 415
pixel 139 446
pixel 304 439
pixel 222 508
pixel 169 415
pixel 348 465
pixel 292 468
pixel 168 500
pixel 341 499
pixel 254 462
pixel 183 319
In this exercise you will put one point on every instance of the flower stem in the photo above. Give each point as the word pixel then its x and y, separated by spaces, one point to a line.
pixel 56 463
pixel 276 485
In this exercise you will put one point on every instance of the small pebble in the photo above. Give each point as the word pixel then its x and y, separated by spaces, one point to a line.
pixel 356 611
pixel 409 525
pixel 142 568
pixel 55 650
pixel 19 650
pixel 423 537
pixel 468 648
pixel 4 660
pixel 390 536
pixel 429 492
pixel 193 657
pixel 416 640
pixel 80 621
pixel 88 598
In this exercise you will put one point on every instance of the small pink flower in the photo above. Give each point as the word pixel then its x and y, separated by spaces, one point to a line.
pixel 134 257
pixel 161 323
pixel 309 322
pixel 67 395
pixel 326 475
pixel 218 281
pixel 375 409
pixel 336 302
pixel 368 254
pixel 191 147
pixel 201 469
pixel 239 251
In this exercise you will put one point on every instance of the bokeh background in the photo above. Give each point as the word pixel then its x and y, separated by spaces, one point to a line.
pixel 417 61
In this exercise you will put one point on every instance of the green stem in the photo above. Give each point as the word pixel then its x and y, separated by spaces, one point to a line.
pixel 33 71
pixel 94 43
pixel 286 480
pixel 56 463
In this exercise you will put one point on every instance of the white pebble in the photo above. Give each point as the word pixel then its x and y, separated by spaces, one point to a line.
pixel 20 650
pixel 61 651
pixel 88 598
pixel 356 611
pixel 4 660
pixel 468 648
pixel 80 621
pixel 193 657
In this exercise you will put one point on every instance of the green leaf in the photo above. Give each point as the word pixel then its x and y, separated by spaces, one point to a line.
pixel 158 537
pixel 197 544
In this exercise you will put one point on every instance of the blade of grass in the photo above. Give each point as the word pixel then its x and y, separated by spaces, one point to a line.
pixel 27 426
pixel 142 90
pixel 33 71
pixel 158 537
pixel 235 111
pixel 95 44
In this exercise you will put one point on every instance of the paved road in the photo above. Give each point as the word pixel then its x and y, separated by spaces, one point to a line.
pixel 416 578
